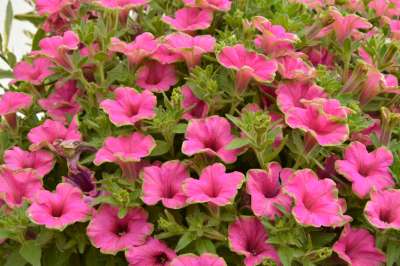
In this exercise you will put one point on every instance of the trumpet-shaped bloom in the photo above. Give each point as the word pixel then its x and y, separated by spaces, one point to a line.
pixel 266 190
pixel 57 210
pixel 248 65
pixel 383 210
pixel 247 236
pixel 50 7
pixel 345 26
pixel 112 234
pixel 122 4
pixel 205 259
pixel 293 67
pixel 316 200
pixel 156 77
pixel 190 19
pixel 214 186
pixel 219 5
pixel 190 48
pixel 35 72
pixel 194 107
pixel 165 55
pixel 320 56
pixel 55 47
pixel 51 133
pixel 357 247
pixel 62 103
pixel 16 186
pixel 12 102
pixel 291 94
pixel 274 39
pixel 143 46
pixel 324 119
pixel 129 106
pixel 164 183
pixel 42 162
pixel 210 135
pixel 152 253
pixel 366 170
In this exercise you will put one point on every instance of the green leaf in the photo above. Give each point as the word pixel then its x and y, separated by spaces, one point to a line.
pixel 392 253
pixel 40 34
pixel 31 252
pixel 8 23
pixel 15 259
pixel 30 17
pixel 5 233
pixel 238 143
pixel 287 255
pixel 204 245
pixel 187 238
pixel 180 128
pixel 161 148
pixel 6 74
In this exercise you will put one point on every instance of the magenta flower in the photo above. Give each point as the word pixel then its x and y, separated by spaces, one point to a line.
pixel 383 210
pixel 156 77
pixel 214 186
pixel 219 5
pixel 12 102
pixel 194 107
pixel 266 190
pixel 143 46
pixel 165 55
pixel 395 29
pixel 206 259
pixel 316 200
pixel 62 103
pixel 321 56
pixel 248 65
pixel 125 151
pixel 366 170
pixel 190 48
pixel 190 19
pixel 122 4
pixel 112 234
pixel 357 247
pixel 164 183
pixel 294 67
pixel 345 26
pixel 129 106
pixel 51 133
pixel 16 186
pixel 291 94
pixel 57 210
pixel 34 73
pixel 248 237
pixel 42 162
pixel 152 253
pixel 274 40
pixel 324 119
pixel 211 136
pixel 50 7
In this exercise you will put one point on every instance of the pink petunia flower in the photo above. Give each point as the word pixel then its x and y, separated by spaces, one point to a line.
pixel 291 94
pixel 126 151
pixel 165 55
pixel 387 8
pixel 49 7
pixel 152 253
pixel 129 106
pixel 143 46
pixel 57 210
pixel 62 103
pixel 266 190
pixel 164 183
pixel 34 73
pixel 16 186
pixel 294 67
pixel 324 119
pixel 345 26
pixel 395 29
pixel 249 65
pixel 320 56
pixel 316 200
pixel 113 234
pixel 42 162
pixel 122 4
pixel 383 210
pixel 190 48
pixel 214 186
pixel 211 136
pixel 194 107
pixel 51 133
pixel 156 77
pixel 10 103
pixel 190 19
pixel 275 41
pixel 247 236
pixel 219 5
pixel 205 259
pixel 357 247
pixel 366 170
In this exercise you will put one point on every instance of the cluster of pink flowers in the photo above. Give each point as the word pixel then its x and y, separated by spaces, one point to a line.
pixel 126 132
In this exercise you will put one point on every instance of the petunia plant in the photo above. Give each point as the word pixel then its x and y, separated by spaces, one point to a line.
pixel 201 133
